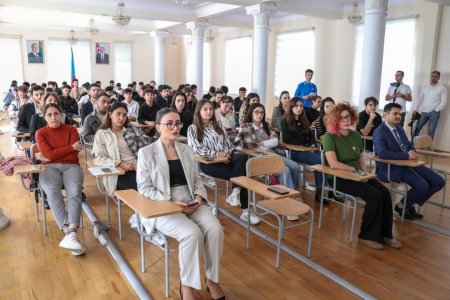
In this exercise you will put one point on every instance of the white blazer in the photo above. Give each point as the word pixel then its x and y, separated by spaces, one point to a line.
pixel 153 177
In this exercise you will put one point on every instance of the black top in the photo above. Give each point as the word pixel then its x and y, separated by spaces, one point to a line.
pixel 320 127
pixel 139 100
pixel 237 104
pixel 147 113
pixel 176 172
pixel 312 114
pixel 207 96
pixel 69 105
pixel 186 118
pixel 362 121
pixel 26 112
pixel 299 136
pixel 162 102
pixel 86 109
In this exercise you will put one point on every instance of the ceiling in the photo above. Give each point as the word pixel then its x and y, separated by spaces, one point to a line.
pixel 150 15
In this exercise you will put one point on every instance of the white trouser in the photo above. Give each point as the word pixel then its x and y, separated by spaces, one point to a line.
pixel 196 232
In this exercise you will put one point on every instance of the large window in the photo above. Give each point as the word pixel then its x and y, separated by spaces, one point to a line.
pixel 59 61
pixel 399 45
pixel 190 64
pixel 122 63
pixel 294 54
pixel 10 62
pixel 238 64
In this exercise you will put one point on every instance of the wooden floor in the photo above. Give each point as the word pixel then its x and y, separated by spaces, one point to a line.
pixel 32 266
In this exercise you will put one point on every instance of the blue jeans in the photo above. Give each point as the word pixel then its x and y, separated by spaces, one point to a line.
pixel 424 117
pixel 292 172
pixel 309 158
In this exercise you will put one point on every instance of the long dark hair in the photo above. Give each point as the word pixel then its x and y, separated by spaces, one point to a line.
pixel 185 115
pixel 116 105
pixel 249 116
pixel 280 106
pixel 247 99
pixel 290 117
pixel 199 123
pixel 322 105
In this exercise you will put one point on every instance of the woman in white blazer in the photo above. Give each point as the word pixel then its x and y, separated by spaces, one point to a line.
pixel 166 170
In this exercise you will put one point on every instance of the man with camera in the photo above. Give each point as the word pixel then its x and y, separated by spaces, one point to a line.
pixel 398 92
pixel 432 99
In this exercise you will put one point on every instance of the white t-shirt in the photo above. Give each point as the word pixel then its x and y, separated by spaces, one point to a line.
pixel 402 88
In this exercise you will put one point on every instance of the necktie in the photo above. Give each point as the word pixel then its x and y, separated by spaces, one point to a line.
pixel 103 58
pixel 37 57
pixel 399 141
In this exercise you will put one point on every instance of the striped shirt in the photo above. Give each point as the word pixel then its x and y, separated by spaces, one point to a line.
pixel 212 143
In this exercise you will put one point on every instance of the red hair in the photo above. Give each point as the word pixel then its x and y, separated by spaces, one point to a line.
pixel 332 118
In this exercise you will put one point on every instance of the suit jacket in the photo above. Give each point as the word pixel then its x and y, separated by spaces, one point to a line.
pixel 387 147
pixel 86 109
pixel 26 112
pixel 32 58
pixel 98 59
pixel 153 177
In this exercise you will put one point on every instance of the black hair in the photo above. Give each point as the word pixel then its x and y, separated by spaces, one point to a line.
pixel 162 112
pixel 322 106
pixel 370 99
pixel 116 105
pixel 36 88
pixel 224 89
pixel 93 85
pixel 388 107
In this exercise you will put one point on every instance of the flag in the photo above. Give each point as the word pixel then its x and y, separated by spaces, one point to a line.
pixel 72 71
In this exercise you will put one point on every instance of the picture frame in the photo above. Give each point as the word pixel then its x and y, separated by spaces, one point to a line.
pixel 35 51
pixel 102 53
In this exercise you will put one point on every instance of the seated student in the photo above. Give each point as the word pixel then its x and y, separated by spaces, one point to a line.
pixel 390 142
pixel 68 104
pixel 76 91
pixel 280 110
pixel 325 107
pixel 147 112
pixel 296 130
pixel 256 132
pixel 38 120
pixel 163 98
pixel 29 109
pixel 207 137
pixel 251 99
pixel 20 100
pixel 313 113
pixel 191 99
pixel 95 119
pixel 225 114
pixel 166 170
pixel 116 145
pixel 239 100
pixel 186 116
pixel 86 102
pixel 133 106
pixel 139 98
pixel 344 151
pixel 112 96
pixel 59 143
pixel 210 94
pixel 216 99
pixel 369 120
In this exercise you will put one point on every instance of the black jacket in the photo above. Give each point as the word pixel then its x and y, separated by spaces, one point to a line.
pixel 69 105
pixel 86 109
pixel 26 112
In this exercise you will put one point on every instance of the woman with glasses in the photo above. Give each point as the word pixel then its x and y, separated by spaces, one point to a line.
pixel 207 137
pixel 179 104
pixel 279 111
pixel 166 170
pixel 251 99
pixel 59 143
pixel 344 151
pixel 257 133
pixel 116 145
pixel 296 130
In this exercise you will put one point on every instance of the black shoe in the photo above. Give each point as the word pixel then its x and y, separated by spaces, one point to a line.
pixel 408 215
pixel 331 195
pixel 414 213
pixel 46 206
pixel 83 197
pixel 319 195
pixel 207 288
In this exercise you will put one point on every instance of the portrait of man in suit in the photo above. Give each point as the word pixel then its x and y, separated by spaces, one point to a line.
pixel 35 51
pixel 102 53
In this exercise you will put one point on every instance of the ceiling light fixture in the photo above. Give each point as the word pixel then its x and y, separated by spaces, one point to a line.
pixel 72 39
pixel 355 17
pixel 181 2
pixel 120 18
pixel 92 30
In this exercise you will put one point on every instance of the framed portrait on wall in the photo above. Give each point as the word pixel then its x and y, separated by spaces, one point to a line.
pixel 102 53
pixel 35 51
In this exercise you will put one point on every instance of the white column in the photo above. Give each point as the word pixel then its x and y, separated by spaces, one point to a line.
pixel 374 29
pixel 261 14
pixel 159 37
pixel 198 37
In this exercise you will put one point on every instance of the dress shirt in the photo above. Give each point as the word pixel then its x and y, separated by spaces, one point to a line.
pixel 432 98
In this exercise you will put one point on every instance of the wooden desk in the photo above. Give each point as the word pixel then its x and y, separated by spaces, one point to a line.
pixel 19 134
pixel 397 162
pixel 139 125
pixel 299 148
pixel 342 173
pixel 26 145
pixel 146 207
pixel 254 152
pixel 116 172
pixel 261 188
pixel 28 169
pixel 433 153
pixel 217 160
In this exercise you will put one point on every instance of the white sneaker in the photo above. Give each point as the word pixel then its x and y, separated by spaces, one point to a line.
pixel 133 221
pixel 83 251
pixel 4 220
pixel 254 220
pixel 71 242
pixel 156 239
pixel 233 200
pixel 292 218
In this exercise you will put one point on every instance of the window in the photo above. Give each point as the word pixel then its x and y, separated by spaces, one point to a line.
pixel 292 58
pixel 11 62
pixel 238 64
pixel 399 45
pixel 190 64
pixel 122 63
pixel 59 61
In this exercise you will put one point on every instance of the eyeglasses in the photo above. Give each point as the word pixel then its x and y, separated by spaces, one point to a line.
pixel 258 112
pixel 345 118
pixel 171 125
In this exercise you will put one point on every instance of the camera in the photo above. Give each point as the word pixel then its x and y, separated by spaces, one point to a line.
pixel 414 118
pixel 396 84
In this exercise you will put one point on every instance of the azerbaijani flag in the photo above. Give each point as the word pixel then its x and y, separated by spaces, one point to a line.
pixel 72 71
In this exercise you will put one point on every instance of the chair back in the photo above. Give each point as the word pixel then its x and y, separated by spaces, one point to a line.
pixel 264 165
pixel 323 158
pixel 423 142
pixel 33 150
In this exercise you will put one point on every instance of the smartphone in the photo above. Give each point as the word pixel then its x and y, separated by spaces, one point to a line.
pixel 208 157
pixel 359 172
pixel 106 170
pixel 277 190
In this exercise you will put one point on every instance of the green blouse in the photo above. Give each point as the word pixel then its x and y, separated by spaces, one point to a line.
pixel 348 148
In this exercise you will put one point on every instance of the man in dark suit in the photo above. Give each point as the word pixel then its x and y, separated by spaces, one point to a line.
pixel 102 57
pixel 391 142
pixel 27 110
pixel 88 106
pixel 33 56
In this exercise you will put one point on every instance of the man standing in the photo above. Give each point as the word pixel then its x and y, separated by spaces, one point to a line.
pixel 390 142
pixel 96 118
pixel 398 92
pixel 306 89
pixel 429 104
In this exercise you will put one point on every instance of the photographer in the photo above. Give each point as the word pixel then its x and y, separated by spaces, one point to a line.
pixel 398 92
